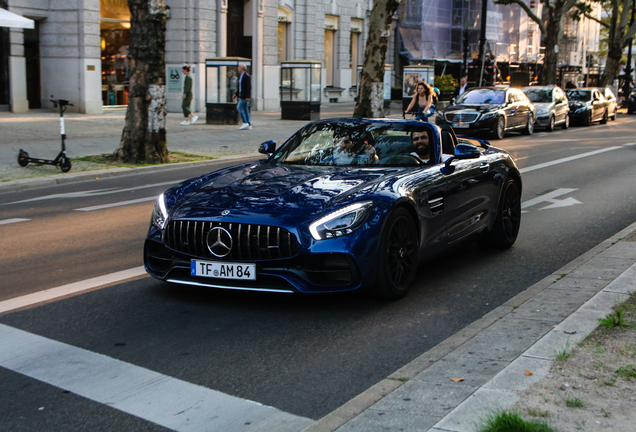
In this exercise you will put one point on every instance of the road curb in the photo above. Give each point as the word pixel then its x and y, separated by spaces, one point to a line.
pixel 66 178
pixel 356 406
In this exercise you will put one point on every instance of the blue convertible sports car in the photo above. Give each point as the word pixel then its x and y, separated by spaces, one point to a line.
pixel 344 204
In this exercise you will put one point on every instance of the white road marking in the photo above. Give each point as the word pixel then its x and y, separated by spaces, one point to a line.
pixel 95 192
pixel 117 204
pixel 629 144
pixel 157 398
pixel 551 197
pixel 14 220
pixel 567 159
pixel 66 290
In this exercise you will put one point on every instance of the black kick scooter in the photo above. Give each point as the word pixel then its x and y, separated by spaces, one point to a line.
pixel 60 159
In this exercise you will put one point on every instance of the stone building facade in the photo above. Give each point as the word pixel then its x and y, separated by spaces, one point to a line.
pixel 78 48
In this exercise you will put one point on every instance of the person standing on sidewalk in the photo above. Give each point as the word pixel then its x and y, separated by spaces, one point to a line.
pixel 187 98
pixel 243 93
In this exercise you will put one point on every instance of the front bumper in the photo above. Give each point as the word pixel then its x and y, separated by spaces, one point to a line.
pixel 579 117
pixel 481 125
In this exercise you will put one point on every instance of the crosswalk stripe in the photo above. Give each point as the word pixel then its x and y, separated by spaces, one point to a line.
pixel 157 398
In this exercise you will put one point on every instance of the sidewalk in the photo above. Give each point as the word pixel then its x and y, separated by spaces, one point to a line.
pixel 491 355
pixel 38 133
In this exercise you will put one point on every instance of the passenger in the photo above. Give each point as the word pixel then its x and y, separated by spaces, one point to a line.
pixel 422 101
pixel 347 152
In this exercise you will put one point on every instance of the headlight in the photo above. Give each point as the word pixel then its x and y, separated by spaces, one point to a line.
pixel 489 115
pixel 341 222
pixel 159 213
pixel 542 112
pixel 580 110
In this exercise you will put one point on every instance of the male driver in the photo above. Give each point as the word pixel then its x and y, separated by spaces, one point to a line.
pixel 243 93
pixel 421 148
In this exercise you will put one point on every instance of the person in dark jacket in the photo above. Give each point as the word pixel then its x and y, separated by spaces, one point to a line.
pixel 463 86
pixel 243 94
pixel 187 98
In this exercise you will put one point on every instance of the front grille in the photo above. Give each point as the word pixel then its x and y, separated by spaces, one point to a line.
pixel 251 242
pixel 462 117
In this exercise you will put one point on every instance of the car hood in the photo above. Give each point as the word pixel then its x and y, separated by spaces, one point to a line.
pixel 544 105
pixel 266 188
pixel 477 108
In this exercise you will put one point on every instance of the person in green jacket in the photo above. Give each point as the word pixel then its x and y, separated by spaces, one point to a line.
pixel 187 98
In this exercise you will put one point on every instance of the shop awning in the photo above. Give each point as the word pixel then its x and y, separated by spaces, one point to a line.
pixel 9 19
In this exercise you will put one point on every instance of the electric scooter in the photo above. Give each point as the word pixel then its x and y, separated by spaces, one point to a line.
pixel 60 159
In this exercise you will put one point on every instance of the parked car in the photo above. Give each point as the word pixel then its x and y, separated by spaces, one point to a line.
pixel 551 105
pixel 314 218
pixel 631 103
pixel 611 98
pixel 587 105
pixel 490 110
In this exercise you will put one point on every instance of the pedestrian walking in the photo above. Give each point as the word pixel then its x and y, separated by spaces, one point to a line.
pixel 243 94
pixel 187 98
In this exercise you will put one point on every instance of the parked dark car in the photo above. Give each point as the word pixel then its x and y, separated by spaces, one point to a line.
pixel 631 103
pixel 344 204
pixel 551 106
pixel 489 110
pixel 587 105
pixel 612 108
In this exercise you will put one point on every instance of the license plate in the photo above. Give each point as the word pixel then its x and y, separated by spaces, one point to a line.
pixel 460 125
pixel 223 270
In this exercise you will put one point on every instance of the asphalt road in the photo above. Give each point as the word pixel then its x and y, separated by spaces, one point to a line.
pixel 305 355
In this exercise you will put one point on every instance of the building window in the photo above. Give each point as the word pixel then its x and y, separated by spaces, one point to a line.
pixel 331 27
pixel 115 39
pixel 354 49
pixel 284 25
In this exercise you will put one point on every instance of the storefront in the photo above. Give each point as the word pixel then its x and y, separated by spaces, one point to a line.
pixel 114 28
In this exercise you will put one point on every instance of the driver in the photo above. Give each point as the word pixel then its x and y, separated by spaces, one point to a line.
pixel 421 147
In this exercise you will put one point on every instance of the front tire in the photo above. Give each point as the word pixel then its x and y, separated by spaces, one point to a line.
pixel 23 158
pixel 397 256
pixel 529 126
pixel 566 122
pixel 550 126
pixel 65 164
pixel 605 117
pixel 499 129
pixel 504 233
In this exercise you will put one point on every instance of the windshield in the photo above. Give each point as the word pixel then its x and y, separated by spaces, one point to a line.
pixel 579 95
pixel 539 95
pixel 356 144
pixel 482 96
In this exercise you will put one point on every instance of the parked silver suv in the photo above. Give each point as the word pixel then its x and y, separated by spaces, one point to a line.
pixel 551 106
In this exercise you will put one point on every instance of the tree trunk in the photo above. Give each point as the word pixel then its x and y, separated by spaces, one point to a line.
pixel 370 97
pixel 143 139
pixel 612 63
pixel 554 31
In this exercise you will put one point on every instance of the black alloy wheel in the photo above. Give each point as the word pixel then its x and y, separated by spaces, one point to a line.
pixel 397 256
pixel 529 125
pixel 550 126
pixel 504 233
pixel 499 130
pixel 588 121
pixel 605 117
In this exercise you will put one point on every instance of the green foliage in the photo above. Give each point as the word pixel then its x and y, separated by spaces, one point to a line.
pixel 564 353
pixel 446 82
pixel 627 372
pixel 573 403
pixel 511 422
pixel 616 319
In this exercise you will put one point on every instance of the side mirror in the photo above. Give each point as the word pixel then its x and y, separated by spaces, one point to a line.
pixel 268 147
pixel 452 101
pixel 466 151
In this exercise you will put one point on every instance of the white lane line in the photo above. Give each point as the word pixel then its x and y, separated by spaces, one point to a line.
pixel 158 398
pixel 567 159
pixel 65 290
pixel 629 144
pixel 14 220
pixel 117 204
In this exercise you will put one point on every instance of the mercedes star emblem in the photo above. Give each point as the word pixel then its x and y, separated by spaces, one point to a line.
pixel 219 242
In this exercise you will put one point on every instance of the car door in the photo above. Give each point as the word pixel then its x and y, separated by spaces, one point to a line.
pixel 598 105
pixel 512 120
pixel 470 190
pixel 524 110
pixel 560 105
